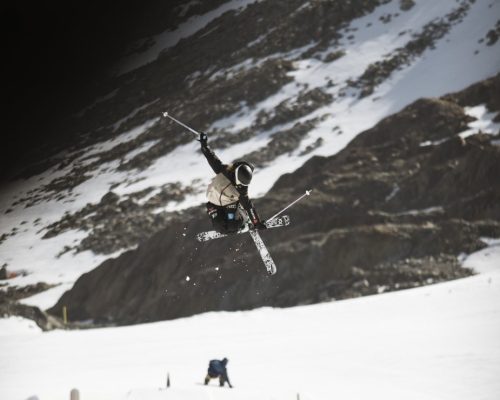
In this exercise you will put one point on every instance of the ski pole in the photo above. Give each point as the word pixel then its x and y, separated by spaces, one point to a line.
pixel 197 134
pixel 307 193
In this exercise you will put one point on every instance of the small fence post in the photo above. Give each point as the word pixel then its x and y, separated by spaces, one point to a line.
pixel 74 394
pixel 168 380
pixel 65 315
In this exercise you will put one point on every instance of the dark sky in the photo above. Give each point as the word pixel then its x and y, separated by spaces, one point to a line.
pixel 52 51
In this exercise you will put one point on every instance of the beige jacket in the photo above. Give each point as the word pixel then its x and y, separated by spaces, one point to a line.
pixel 221 191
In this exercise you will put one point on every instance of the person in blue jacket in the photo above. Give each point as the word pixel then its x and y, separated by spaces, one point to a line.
pixel 218 369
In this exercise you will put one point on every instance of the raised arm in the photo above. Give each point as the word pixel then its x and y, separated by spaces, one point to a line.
pixel 214 161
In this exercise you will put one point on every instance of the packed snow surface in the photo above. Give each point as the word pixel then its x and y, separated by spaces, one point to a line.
pixel 437 342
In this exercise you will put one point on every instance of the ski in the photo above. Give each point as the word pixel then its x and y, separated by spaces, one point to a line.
pixel 283 220
pixel 264 253
pixel 272 222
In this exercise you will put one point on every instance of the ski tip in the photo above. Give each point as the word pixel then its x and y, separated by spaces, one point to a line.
pixel 165 114
pixel 308 192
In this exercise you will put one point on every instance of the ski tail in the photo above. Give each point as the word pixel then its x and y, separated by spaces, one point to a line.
pixel 264 253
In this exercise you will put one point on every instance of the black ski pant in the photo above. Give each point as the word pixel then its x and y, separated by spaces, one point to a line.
pixel 225 219
pixel 211 376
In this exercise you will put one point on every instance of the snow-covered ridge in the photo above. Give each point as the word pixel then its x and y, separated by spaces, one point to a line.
pixel 169 39
pixel 484 121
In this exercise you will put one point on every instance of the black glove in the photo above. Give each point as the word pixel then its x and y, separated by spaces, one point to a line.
pixel 203 139
pixel 259 225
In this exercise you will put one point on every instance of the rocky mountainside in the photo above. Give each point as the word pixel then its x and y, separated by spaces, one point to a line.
pixel 397 208
pixel 289 85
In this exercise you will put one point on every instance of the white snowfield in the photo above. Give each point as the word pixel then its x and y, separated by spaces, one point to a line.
pixel 439 342
pixel 457 60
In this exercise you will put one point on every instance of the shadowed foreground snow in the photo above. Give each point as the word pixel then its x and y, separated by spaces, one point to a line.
pixel 434 342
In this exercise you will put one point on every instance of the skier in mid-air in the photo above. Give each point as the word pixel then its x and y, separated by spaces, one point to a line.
pixel 227 190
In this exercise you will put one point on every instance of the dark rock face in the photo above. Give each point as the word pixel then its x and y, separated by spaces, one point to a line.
pixel 114 224
pixel 210 75
pixel 392 210
pixel 216 73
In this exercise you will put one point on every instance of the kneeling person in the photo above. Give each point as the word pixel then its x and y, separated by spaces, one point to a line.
pixel 217 369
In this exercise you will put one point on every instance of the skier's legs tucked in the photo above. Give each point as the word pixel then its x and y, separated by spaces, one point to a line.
pixel 217 216
pixel 233 219
pixel 224 219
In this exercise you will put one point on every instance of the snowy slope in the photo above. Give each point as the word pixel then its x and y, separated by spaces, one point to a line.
pixel 169 38
pixel 435 342
pixel 455 61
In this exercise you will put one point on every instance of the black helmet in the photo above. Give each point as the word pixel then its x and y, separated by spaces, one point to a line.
pixel 243 173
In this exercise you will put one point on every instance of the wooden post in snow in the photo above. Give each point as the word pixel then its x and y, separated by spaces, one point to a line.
pixel 74 394
pixel 168 380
